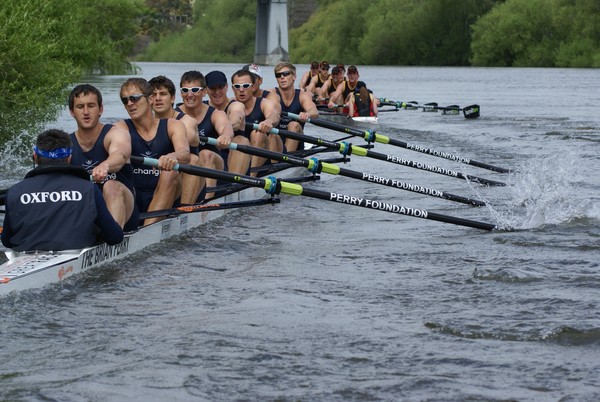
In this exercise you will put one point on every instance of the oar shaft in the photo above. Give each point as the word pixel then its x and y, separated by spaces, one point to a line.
pixel 275 186
pixel 367 135
pixel 316 166
pixel 348 149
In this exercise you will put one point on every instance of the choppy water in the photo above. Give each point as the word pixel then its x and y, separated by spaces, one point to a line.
pixel 312 300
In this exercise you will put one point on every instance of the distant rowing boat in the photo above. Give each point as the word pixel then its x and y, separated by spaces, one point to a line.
pixel 31 270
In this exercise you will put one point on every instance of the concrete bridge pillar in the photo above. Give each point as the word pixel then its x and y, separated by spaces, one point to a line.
pixel 271 32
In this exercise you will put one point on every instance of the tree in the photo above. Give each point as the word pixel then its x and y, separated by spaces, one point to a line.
pixel 223 31
pixel 45 46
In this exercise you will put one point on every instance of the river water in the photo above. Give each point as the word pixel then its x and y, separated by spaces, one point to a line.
pixel 315 300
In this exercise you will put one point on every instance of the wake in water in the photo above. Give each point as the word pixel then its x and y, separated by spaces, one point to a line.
pixel 544 191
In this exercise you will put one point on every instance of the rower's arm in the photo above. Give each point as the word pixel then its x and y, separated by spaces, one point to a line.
pixel 237 116
pixel 118 146
pixel 335 95
pixel 308 106
pixel 178 136
pixel 223 127
pixel 191 130
pixel 271 116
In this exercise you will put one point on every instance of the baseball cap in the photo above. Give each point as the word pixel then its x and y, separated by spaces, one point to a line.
pixel 324 65
pixel 215 79
pixel 341 67
pixel 254 69
pixel 352 69
pixel 314 64
pixel 336 70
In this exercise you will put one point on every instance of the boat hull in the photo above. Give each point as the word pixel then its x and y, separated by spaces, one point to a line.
pixel 34 270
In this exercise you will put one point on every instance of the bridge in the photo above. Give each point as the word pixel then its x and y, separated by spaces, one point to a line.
pixel 271 46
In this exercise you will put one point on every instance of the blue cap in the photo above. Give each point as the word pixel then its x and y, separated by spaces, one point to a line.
pixel 215 79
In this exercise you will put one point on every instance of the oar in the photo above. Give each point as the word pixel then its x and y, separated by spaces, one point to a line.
pixel 348 149
pixel 315 165
pixel 272 185
pixel 207 207
pixel 371 136
pixel 470 112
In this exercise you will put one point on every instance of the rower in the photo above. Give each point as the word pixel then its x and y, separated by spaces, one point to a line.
pixel 347 88
pixel 104 151
pixel 164 139
pixel 210 123
pixel 56 207
pixel 261 111
pixel 308 76
pixel 329 87
pixel 293 101
pixel 216 87
pixel 318 80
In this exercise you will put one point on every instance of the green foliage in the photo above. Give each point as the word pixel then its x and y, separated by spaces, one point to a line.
pixel 223 32
pixel 45 46
pixel 410 32
pixel 539 33
pixel 334 33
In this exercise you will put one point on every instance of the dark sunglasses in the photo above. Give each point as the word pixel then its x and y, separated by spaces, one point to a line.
pixel 185 90
pixel 132 98
pixel 245 85
pixel 283 74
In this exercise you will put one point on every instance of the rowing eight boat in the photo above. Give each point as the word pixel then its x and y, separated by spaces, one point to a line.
pixel 30 270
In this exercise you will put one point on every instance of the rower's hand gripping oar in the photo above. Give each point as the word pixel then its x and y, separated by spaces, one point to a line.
pixel 272 185
pixel 371 136
pixel 348 149
pixel 315 165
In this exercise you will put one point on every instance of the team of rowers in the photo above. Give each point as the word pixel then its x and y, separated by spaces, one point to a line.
pixel 159 128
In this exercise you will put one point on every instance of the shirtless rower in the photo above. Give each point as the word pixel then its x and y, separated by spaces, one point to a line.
pixel 164 139
pixel 104 151
pixel 294 101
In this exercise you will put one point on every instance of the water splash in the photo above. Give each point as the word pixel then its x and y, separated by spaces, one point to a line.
pixel 544 191
pixel 16 159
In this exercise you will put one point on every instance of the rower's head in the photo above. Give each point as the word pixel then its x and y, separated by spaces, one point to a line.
pixel 285 74
pixel 85 105
pixel 242 82
pixel 255 69
pixel 324 67
pixel 164 93
pixel 83 90
pixel 337 75
pixel 137 95
pixel 314 67
pixel 216 84
pixel 353 74
pixel 52 147
pixel 193 87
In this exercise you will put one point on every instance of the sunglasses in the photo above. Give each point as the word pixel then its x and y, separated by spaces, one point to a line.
pixel 245 85
pixel 185 90
pixel 283 74
pixel 132 98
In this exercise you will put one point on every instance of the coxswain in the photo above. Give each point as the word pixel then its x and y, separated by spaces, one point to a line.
pixel 56 207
